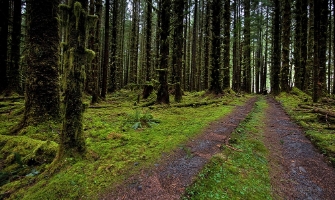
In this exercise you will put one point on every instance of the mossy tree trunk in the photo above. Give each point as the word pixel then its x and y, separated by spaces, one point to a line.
pixel 72 141
pixel 178 47
pixel 236 82
pixel 286 28
pixel 42 99
pixel 163 91
pixel 215 86
pixel 4 10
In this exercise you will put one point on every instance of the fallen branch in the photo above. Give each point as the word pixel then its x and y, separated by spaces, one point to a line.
pixel 233 148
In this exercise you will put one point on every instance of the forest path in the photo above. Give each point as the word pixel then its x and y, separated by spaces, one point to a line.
pixel 168 179
pixel 297 169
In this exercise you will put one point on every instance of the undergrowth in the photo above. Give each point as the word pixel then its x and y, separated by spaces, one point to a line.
pixel 315 130
pixel 240 171
pixel 116 148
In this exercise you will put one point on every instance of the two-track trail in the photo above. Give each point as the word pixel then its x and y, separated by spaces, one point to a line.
pixel 297 169
pixel 177 170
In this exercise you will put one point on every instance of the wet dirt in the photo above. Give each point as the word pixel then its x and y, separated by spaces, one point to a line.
pixel 169 178
pixel 297 169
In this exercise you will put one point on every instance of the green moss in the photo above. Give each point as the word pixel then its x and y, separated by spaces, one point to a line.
pixel 322 138
pixel 113 150
pixel 77 9
pixel 237 175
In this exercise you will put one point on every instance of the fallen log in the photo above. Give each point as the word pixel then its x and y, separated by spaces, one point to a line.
pixel 318 110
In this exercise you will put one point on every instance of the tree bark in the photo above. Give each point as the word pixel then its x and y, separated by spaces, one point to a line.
pixel 4 14
pixel 42 99
pixel 105 64
pixel 226 45
pixel 286 34
pixel 163 91
pixel 215 86
pixel 275 72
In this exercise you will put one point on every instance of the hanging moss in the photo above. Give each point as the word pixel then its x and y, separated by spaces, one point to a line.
pixel 90 54
pixel 77 9
pixel 91 21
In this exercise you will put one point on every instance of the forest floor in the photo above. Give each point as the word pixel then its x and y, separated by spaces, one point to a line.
pixel 296 168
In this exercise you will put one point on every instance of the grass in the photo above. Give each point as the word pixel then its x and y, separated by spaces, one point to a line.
pixel 322 138
pixel 234 174
pixel 115 150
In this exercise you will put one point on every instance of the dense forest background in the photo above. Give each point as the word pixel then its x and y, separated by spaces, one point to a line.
pixel 59 51
pixel 189 44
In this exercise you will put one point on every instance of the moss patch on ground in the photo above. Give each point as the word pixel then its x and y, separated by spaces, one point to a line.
pixel 240 171
pixel 316 130
pixel 115 149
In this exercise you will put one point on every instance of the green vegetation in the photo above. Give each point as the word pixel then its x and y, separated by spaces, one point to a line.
pixel 115 150
pixel 240 171
pixel 318 130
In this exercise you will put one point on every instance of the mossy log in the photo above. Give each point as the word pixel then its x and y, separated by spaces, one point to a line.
pixel 12 98
pixel 319 110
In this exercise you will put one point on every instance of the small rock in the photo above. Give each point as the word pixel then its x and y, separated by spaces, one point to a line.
pixel 302 169
pixel 139 188
pixel 136 164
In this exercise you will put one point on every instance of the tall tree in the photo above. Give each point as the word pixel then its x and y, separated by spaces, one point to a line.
pixel 215 85
pixel 246 48
pixel 178 46
pixel 96 60
pixel 226 45
pixel 194 67
pixel 236 67
pixel 134 42
pixel 275 71
pixel 72 142
pixel 148 88
pixel 14 64
pixel 207 44
pixel 42 99
pixel 310 53
pixel 286 31
pixel 320 48
pixel 106 52
pixel 163 90
pixel 4 12
pixel 113 61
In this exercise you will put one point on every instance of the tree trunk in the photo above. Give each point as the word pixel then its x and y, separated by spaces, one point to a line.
pixel 246 48
pixel 163 91
pixel 96 60
pixel 207 44
pixel 113 61
pixel 72 142
pixel 226 45
pixel 310 54
pixel 4 10
pixel 178 46
pixel 215 86
pixel 14 65
pixel 276 49
pixel 148 88
pixel 236 67
pixel 194 48
pixel 106 52
pixel 133 71
pixel 286 28
pixel 42 99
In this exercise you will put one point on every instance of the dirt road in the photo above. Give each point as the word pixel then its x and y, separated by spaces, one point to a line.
pixel 297 170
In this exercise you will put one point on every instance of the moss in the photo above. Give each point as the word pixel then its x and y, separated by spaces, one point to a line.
pixel 90 54
pixel 77 9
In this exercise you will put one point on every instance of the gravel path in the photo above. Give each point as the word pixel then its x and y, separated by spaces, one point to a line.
pixel 298 170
